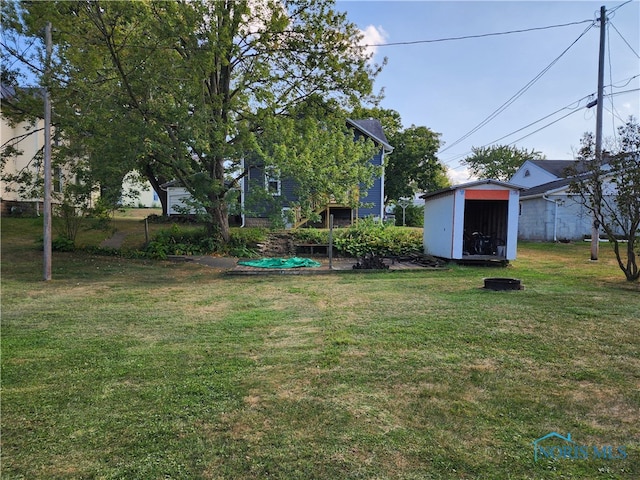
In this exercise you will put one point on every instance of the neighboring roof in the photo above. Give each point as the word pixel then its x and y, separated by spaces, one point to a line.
pixel 463 186
pixel 557 168
pixel 373 129
pixel 564 168
pixel 6 91
pixel 546 188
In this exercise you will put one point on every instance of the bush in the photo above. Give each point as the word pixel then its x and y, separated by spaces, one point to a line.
pixel 374 238
pixel 179 240
pixel 413 215
pixel 244 242
pixel 311 235
pixel 63 244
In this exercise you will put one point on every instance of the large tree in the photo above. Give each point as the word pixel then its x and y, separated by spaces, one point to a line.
pixel 611 192
pixel 185 90
pixel 413 166
pixel 498 162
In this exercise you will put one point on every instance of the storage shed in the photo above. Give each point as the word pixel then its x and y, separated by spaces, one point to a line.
pixel 472 221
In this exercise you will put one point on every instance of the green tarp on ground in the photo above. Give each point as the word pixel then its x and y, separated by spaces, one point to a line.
pixel 294 262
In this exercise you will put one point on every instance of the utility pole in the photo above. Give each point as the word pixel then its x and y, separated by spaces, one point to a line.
pixel 595 244
pixel 47 157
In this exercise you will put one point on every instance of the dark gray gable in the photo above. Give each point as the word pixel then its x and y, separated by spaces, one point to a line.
pixel 373 129
pixel 560 168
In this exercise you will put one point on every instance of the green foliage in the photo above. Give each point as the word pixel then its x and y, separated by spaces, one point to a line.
pixel 369 237
pixel 317 150
pixel 498 162
pixel 413 215
pixel 311 235
pixel 244 242
pixel 180 241
pixel 413 165
pixel 151 86
pixel 261 203
pixel 63 244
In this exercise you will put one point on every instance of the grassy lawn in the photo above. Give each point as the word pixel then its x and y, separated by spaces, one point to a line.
pixel 153 370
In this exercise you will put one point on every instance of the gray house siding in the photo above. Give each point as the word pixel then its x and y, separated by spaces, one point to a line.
pixel 560 217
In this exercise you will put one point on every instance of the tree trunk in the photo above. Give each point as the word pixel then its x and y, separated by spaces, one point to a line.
pixel 155 184
pixel 219 225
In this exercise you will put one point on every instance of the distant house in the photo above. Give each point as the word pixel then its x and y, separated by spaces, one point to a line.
pixel 549 211
pixel 28 140
pixel 137 193
pixel 284 188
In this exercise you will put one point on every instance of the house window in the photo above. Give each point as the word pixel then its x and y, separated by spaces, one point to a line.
pixel 527 173
pixel 57 180
pixel 272 181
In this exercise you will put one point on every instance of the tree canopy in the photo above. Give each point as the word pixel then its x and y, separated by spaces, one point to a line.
pixel 413 166
pixel 498 162
pixel 185 90
pixel 610 189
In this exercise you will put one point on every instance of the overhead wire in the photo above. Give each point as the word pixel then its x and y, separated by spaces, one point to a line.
pixel 468 37
pixel 613 107
pixel 505 105
pixel 623 39
pixel 575 109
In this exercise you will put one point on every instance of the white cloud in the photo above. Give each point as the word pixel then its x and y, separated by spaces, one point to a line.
pixel 372 36
pixel 459 175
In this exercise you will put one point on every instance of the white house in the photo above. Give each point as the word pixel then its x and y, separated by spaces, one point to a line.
pixel 549 211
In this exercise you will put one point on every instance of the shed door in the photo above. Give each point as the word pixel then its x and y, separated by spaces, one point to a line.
pixel 488 219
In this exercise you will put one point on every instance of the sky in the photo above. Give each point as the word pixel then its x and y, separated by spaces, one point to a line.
pixel 517 80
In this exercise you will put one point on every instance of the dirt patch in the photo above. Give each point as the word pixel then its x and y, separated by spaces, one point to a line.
pixel 115 241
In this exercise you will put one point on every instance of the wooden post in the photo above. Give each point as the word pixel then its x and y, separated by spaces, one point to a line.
pixel 47 160
pixel 330 242
pixel 595 230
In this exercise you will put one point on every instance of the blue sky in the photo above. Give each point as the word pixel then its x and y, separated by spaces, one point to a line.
pixel 453 86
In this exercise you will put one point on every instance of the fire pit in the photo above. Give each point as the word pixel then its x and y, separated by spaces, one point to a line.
pixel 503 284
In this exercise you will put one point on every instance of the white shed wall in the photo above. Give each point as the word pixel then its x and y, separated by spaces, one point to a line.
pixel 438 226
pixel 512 224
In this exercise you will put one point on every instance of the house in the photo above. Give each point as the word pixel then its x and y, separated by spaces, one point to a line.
pixel 137 193
pixel 283 189
pixel 472 221
pixel 549 211
pixel 28 140
pixel 21 191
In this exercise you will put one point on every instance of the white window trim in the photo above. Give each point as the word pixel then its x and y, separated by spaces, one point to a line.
pixel 272 175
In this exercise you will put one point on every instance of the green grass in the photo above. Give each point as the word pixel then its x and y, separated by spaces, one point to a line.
pixel 151 370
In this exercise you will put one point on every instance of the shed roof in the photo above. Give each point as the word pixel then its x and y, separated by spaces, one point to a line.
pixel 463 186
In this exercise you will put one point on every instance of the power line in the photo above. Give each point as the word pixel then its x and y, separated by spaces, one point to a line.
pixel 575 109
pixel 621 5
pixel 624 39
pixel 468 37
pixel 505 105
